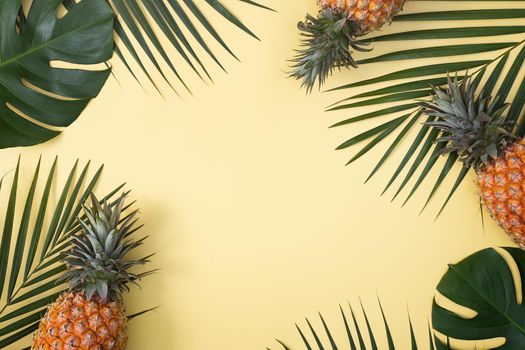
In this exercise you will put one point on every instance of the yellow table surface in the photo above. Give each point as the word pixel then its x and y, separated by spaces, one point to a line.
pixel 255 219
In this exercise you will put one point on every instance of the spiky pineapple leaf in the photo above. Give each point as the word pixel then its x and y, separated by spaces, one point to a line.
pixel 500 68
pixel 31 247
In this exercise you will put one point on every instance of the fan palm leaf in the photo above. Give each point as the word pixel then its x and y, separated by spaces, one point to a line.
pixel 184 27
pixel 358 335
pixel 492 50
pixel 34 234
pixel 52 66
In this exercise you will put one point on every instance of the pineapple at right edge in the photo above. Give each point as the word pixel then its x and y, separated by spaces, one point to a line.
pixel 475 127
pixel 91 315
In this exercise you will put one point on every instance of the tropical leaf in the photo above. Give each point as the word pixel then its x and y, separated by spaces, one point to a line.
pixel 359 335
pixel 481 298
pixel 185 29
pixel 34 234
pixel 51 66
pixel 479 304
pixel 40 91
pixel 493 51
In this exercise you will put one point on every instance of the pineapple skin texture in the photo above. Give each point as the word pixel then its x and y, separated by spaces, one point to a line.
pixel 502 191
pixel 370 14
pixel 73 322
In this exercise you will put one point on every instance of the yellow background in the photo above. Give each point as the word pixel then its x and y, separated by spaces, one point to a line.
pixel 255 220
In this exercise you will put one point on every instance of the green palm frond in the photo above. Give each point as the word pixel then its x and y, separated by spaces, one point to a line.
pixel 478 299
pixel 34 234
pixel 185 26
pixel 52 66
pixel 358 335
pixel 493 52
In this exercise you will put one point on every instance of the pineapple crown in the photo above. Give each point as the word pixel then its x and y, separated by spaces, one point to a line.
pixel 97 263
pixel 327 41
pixel 471 125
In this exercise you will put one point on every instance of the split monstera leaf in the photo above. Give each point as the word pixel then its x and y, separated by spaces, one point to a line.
pixel 36 96
pixel 488 287
pixel 478 305
pixel 54 55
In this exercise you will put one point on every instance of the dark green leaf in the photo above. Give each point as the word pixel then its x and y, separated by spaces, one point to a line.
pixel 31 86
pixel 484 283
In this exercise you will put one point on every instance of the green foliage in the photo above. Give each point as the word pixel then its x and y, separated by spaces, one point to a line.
pixel 39 97
pixel 500 73
pixel 358 335
pixel 484 283
pixel 34 235
pixel 487 289
pixel 180 22
pixel 30 85
pixel 327 44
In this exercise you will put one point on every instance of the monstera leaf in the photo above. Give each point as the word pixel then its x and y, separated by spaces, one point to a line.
pixel 35 232
pixel 39 89
pixel 491 47
pixel 478 305
pixel 486 291
pixel 46 61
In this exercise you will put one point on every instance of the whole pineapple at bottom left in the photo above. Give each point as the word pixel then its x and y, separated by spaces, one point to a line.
pixel 91 315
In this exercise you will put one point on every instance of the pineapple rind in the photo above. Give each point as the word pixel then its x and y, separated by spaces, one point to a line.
pixel 74 322
pixel 502 191
pixel 371 15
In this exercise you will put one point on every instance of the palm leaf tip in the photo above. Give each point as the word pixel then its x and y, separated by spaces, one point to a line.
pixel 258 5
pixel 360 334
pixel 282 344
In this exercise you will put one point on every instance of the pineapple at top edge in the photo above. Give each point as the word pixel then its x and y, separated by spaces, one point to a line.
pixel 369 14
pixel 91 315
pixel 328 40
pixel 474 126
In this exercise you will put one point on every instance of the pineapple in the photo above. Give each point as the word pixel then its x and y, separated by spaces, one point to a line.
pixel 329 38
pixel 475 127
pixel 91 315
